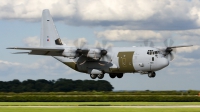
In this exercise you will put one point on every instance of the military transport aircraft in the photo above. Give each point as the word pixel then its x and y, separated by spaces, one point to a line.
pixel 101 59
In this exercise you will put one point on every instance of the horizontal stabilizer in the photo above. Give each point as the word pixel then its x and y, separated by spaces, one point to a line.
pixel 40 51
pixel 37 48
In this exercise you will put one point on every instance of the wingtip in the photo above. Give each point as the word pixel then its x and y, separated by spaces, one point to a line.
pixel 11 47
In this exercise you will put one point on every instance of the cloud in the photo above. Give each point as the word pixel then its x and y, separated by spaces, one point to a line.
pixel 47 68
pixel 35 41
pixel 181 61
pixel 5 65
pixel 128 35
pixel 134 14
pixel 193 54
pixel 179 37
pixel 32 41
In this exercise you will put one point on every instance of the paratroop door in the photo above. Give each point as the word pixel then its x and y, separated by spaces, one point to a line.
pixel 125 60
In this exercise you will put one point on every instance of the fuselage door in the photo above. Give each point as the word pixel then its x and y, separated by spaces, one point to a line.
pixel 152 62
pixel 125 60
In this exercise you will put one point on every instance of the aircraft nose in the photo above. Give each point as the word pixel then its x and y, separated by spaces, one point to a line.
pixel 164 62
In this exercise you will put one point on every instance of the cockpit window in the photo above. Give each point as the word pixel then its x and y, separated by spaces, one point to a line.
pixel 151 52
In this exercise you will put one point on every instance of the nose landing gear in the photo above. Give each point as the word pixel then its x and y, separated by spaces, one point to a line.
pixel 151 74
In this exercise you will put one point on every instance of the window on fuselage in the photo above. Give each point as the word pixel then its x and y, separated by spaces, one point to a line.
pixel 151 52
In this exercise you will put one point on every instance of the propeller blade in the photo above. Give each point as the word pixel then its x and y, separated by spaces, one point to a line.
pixel 171 42
pixel 171 55
pixel 104 42
pixel 168 42
pixel 146 43
pixel 171 50
pixel 106 58
pixel 105 47
pixel 79 43
pixel 151 44
pixel 174 50
pixel 98 45
pixel 76 43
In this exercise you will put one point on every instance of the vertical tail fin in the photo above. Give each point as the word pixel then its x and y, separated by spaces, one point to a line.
pixel 49 35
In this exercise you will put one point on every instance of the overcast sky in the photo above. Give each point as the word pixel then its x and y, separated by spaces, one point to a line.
pixel 122 22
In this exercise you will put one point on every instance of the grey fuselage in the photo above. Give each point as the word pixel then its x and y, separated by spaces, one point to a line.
pixel 124 60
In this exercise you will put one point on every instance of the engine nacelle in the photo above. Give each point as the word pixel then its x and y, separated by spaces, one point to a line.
pixel 94 53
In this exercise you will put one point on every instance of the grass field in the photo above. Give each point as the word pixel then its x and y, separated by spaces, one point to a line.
pixel 98 103
pixel 99 109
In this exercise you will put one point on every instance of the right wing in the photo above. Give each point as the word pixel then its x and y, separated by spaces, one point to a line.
pixel 40 51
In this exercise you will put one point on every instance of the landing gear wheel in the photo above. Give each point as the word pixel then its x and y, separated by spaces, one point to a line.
pixel 120 75
pixel 93 76
pixel 151 74
pixel 100 76
pixel 112 75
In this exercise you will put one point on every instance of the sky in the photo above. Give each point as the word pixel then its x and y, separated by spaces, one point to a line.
pixel 121 22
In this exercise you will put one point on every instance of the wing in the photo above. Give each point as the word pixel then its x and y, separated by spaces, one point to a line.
pixel 180 46
pixel 40 51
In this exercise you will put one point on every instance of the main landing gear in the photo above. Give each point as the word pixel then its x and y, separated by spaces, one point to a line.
pixel 118 75
pixel 94 76
pixel 151 74
pixel 101 76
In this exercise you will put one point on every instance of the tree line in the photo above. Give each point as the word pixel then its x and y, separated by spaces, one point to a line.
pixel 60 85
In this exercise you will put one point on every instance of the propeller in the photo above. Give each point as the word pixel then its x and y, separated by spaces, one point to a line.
pixel 169 51
pixel 104 51
pixel 79 44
